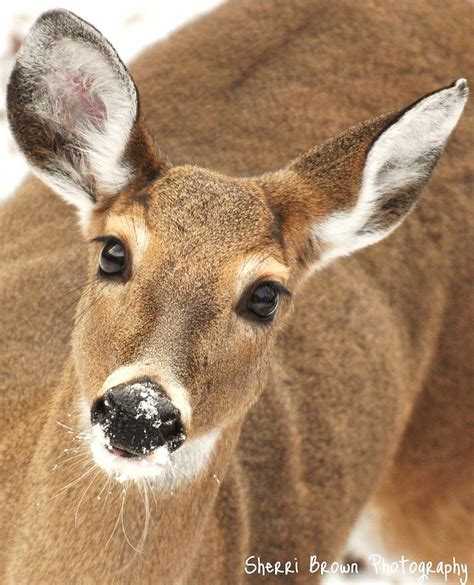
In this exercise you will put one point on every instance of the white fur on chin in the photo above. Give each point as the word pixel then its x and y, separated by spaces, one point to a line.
pixel 166 471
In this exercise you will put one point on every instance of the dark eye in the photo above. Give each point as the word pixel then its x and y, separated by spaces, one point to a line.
pixel 264 300
pixel 112 257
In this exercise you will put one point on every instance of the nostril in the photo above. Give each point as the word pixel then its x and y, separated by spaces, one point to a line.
pixel 98 410
pixel 172 432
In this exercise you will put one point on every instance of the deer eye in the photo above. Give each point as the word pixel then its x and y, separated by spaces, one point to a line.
pixel 112 257
pixel 263 302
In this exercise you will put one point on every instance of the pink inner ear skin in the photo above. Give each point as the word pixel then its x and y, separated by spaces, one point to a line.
pixel 83 102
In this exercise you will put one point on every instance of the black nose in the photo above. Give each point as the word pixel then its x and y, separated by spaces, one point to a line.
pixel 138 417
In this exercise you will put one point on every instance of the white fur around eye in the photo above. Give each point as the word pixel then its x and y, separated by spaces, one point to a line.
pixel 401 157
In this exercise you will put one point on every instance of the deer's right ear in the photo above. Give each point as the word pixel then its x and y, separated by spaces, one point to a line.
pixel 73 109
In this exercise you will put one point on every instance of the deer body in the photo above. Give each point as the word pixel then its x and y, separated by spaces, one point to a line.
pixel 362 396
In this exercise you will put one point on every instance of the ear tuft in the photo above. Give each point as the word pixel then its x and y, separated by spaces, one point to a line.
pixel 72 106
pixel 461 86
pixel 397 168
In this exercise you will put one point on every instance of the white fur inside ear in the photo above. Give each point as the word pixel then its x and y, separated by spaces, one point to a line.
pixel 70 81
pixel 401 157
pixel 85 97
pixel 71 193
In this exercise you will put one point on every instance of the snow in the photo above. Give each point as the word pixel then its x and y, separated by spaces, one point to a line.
pixel 147 407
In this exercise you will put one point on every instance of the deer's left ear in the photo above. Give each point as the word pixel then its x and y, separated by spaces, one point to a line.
pixel 354 190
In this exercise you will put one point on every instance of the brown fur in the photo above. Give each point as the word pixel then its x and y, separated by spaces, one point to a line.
pixel 367 390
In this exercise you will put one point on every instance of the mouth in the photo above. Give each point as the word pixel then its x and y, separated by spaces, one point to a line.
pixel 124 465
pixel 120 452
pixel 164 469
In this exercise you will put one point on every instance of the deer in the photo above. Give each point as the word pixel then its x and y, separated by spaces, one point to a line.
pixel 244 341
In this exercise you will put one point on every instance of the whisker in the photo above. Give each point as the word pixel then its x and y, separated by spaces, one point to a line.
pixel 94 301
pixel 146 521
pixel 151 490
pixel 123 523
pixel 79 286
pixel 108 492
pixel 72 483
pixel 116 523
pixel 62 310
pixel 106 483
pixel 68 428
pixel 78 456
pixel 83 495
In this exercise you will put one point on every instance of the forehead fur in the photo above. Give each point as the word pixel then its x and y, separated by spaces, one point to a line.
pixel 193 209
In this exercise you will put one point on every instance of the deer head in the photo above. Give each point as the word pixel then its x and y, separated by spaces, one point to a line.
pixel 192 273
